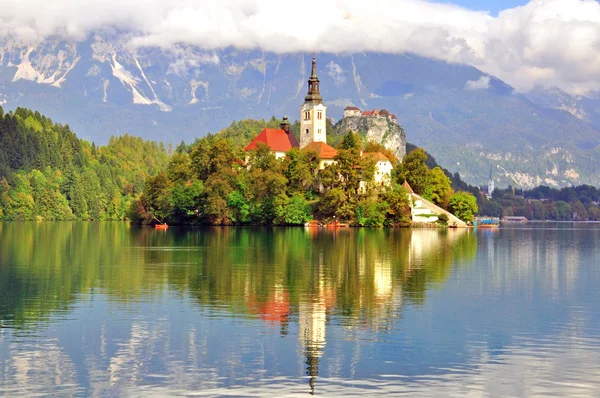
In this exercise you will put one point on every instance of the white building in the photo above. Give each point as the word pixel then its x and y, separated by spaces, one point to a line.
pixel 352 111
pixel 313 114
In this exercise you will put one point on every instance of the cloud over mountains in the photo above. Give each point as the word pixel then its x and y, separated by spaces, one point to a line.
pixel 546 42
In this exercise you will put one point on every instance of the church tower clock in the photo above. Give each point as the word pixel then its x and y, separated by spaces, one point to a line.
pixel 313 112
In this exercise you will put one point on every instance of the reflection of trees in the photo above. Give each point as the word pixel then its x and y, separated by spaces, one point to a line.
pixel 365 274
pixel 360 277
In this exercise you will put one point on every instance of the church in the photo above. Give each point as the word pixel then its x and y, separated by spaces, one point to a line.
pixel 313 133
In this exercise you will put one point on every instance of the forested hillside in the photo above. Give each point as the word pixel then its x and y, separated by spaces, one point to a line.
pixel 47 173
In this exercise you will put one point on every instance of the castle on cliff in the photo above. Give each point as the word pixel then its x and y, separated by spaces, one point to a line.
pixel 352 111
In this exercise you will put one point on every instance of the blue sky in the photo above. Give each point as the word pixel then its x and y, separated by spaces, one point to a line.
pixel 494 6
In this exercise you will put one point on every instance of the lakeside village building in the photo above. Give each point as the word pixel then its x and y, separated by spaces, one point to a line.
pixel 313 134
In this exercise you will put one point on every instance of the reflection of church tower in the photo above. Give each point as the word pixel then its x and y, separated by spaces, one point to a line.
pixel 312 332
pixel 313 112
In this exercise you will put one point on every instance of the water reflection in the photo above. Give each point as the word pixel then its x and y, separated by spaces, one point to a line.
pixel 109 309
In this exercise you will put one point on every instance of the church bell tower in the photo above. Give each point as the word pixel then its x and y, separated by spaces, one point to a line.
pixel 313 114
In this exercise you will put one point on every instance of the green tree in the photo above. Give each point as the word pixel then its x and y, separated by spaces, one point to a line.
pixel 157 198
pixel 213 155
pixel 415 170
pixel 398 210
pixel 439 188
pixel 215 209
pixel 350 141
pixel 239 206
pixel 179 170
pixel 561 211
pixel 297 210
pixel 579 212
pixel 463 205
pixel 184 200
pixel 332 203
pixel 371 212
pixel 300 168
pixel 594 213
pixel 76 198
pixel 22 205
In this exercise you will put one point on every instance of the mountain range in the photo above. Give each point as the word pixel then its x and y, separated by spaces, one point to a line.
pixel 470 121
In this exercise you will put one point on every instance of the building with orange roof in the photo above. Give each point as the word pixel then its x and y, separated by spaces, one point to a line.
pixel 279 140
pixel 325 152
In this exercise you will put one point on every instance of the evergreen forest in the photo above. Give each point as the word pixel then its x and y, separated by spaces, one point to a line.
pixel 47 173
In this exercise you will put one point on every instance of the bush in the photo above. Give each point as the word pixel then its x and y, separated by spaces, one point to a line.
pixel 443 218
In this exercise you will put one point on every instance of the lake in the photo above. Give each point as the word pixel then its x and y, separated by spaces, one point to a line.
pixel 109 309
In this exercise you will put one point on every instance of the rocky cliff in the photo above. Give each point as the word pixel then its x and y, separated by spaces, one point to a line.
pixel 376 129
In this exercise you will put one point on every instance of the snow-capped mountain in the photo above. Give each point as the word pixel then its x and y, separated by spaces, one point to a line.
pixel 467 119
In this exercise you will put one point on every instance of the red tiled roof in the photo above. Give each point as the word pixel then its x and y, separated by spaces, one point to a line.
pixel 323 150
pixel 277 140
pixel 406 186
pixel 378 156
pixel 351 108
pixel 367 113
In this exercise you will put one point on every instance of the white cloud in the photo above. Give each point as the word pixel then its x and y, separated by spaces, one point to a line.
pixel 336 72
pixel 483 83
pixel 188 58
pixel 546 42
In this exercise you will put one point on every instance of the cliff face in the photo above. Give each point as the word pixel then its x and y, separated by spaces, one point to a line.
pixel 376 129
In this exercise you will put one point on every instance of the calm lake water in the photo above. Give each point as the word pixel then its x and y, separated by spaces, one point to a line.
pixel 108 309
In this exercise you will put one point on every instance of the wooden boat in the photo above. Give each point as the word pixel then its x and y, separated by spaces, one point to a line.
pixel 161 226
pixel 312 224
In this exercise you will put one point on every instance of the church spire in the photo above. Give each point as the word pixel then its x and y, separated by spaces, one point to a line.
pixel 314 95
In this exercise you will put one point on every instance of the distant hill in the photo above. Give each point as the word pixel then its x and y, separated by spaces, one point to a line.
pixel 468 120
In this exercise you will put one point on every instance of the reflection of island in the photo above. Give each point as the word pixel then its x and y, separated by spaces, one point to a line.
pixel 152 299
pixel 276 309
pixel 362 277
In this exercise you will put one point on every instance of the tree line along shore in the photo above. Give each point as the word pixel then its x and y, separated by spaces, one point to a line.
pixel 48 173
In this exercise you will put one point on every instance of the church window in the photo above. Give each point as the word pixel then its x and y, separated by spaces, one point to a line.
pixel 307 115
pixel 319 131
pixel 306 131
pixel 319 115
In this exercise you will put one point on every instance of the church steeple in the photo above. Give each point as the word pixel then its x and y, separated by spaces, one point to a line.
pixel 314 95
pixel 313 113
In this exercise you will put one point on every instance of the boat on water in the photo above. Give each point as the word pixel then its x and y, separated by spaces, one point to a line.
pixel 161 226
pixel 486 222
pixel 312 224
